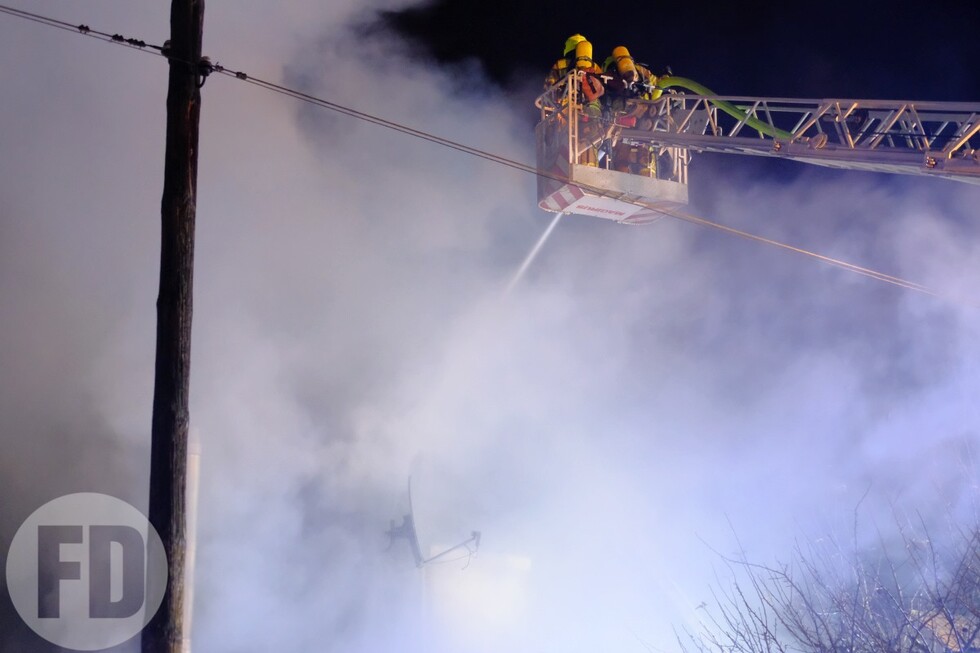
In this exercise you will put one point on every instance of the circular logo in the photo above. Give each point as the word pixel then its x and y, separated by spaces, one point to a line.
pixel 86 571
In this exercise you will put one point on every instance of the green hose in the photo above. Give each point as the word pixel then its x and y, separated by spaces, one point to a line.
pixel 727 107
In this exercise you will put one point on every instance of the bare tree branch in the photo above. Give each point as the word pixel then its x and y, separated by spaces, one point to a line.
pixel 907 595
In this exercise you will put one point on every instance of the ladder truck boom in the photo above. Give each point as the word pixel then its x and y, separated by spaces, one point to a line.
pixel 918 138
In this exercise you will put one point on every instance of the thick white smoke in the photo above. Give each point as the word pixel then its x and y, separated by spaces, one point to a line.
pixel 642 390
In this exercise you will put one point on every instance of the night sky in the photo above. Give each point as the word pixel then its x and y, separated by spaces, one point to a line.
pixel 868 49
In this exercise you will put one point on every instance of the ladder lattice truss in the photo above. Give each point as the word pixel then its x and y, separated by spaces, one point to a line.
pixel 922 138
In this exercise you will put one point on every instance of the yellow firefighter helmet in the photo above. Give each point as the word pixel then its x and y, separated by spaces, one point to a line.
pixel 571 42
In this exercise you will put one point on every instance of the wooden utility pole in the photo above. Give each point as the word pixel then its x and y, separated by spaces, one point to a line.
pixel 168 457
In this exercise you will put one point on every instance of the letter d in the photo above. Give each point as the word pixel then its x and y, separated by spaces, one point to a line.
pixel 101 605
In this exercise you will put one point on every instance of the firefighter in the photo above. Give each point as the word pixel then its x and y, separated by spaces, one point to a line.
pixel 627 81
pixel 577 60
pixel 565 64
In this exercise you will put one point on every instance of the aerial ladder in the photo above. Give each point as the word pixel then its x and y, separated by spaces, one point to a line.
pixel 933 139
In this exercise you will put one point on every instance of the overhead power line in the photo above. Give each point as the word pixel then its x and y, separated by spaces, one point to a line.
pixel 206 68
pixel 850 267
pixel 79 29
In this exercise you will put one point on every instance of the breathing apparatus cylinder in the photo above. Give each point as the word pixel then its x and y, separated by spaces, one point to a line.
pixel 625 65
pixel 583 55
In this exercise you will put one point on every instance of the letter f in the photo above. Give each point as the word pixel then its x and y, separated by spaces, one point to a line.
pixel 51 570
